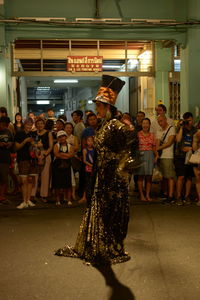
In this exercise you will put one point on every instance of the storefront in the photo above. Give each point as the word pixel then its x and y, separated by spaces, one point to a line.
pixel 65 74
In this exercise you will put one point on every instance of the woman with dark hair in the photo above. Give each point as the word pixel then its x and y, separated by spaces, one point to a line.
pixel 44 143
pixel 18 125
pixel 73 145
pixel 49 125
pixel 149 155
pixel 105 222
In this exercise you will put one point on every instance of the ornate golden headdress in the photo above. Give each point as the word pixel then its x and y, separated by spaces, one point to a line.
pixel 109 89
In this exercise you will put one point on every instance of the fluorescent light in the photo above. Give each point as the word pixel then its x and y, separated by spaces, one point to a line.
pixel 132 63
pixel 111 67
pixel 43 87
pixel 62 110
pixel 43 102
pixel 145 55
pixel 65 81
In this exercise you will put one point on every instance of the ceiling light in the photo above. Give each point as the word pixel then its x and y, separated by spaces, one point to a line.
pixel 43 102
pixel 43 88
pixel 62 110
pixel 65 81
pixel 111 67
pixel 145 55
pixel 132 63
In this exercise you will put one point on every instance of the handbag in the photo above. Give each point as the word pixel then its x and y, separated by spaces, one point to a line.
pixel 187 157
pixel 160 151
pixel 195 157
pixel 162 141
pixel 157 175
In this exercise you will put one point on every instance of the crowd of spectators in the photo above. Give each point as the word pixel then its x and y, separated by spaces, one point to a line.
pixel 48 156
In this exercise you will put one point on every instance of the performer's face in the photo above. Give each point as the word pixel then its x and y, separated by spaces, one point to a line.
pixel 101 109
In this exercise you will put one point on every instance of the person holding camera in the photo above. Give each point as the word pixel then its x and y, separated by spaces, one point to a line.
pixel 184 170
pixel 24 140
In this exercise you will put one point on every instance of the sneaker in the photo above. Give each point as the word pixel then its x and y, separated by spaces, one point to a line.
pixel 179 202
pixel 30 203
pixel 44 200
pixel 5 201
pixel 69 203
pixel 187 201
pixel 162 195
pixel 170 200
pixel 22 205
pixel 58 203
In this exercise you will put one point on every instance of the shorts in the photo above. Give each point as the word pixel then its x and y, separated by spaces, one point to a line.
pixel 182 169
pixel 166 167
pixel 26 168
pixel 4 170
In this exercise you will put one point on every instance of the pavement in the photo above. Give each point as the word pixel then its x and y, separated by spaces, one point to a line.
pixel 163 242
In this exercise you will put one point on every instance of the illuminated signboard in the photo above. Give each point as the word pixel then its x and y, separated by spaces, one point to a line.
pixel 84 63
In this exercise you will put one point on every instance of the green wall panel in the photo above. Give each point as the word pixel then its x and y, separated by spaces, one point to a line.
pixel 107 8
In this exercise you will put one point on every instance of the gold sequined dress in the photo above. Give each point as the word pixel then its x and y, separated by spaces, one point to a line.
pixel 105 222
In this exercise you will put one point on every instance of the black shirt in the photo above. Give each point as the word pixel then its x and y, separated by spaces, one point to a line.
pixel 186 141
pixel 44 139
pixel 5 136
pixel 24 153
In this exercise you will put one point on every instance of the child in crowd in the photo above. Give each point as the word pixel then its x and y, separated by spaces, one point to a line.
pixel 88 155
pixel 61 176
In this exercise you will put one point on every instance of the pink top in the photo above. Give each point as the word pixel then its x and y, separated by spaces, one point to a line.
pixel 146 142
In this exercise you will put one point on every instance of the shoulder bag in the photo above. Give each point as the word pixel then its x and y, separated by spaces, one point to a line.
pixel 162 141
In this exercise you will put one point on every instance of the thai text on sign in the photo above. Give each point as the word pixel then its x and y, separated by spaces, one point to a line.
pixel 84 63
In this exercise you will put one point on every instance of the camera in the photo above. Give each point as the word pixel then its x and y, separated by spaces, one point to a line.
pixel 184 122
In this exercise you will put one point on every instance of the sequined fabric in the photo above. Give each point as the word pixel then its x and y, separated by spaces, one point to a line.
pixel 105 222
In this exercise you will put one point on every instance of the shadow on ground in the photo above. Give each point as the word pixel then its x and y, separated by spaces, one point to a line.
pixel 118 290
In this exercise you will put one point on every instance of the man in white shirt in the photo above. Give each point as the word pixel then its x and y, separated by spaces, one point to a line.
pixel 165 143
pixel 161 110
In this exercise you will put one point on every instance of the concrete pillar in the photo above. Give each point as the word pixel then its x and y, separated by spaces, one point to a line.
pixel 190 73
pixel 23 96
pixel 190 64
pixel 3 81
pixel 162 68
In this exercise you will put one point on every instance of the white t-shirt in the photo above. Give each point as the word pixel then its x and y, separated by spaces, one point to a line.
pixel 78 130
pixel 155 127
pixel 169 151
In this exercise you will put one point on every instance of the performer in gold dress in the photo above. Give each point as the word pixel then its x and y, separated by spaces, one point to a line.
pixel 105 222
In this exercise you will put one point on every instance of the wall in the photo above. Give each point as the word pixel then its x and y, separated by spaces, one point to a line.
pixel 181 10
pixel 108 9
pixel 190 65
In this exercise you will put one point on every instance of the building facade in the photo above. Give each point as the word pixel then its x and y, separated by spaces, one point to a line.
pixel 115 27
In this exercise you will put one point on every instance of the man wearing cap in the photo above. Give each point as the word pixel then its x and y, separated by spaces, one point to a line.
pixel 105 222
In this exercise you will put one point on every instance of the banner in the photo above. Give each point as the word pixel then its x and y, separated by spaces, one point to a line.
pixel 84 63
